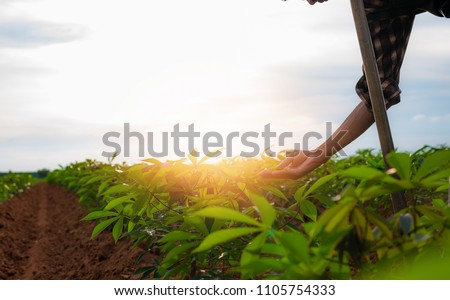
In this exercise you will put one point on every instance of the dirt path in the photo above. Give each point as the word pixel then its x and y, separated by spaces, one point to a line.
pixel 42 237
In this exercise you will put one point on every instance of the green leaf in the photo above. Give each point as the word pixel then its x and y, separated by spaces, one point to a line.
pixel 274 191
pixel 443 187
pixel 324 199
pixel 103 186
pixel 298 196
pixel 193 158
pixel 296 246
pixel 115 202
pixel 333 216
pixel 120 188
pixel 363 173
pixel 308 209
pixel 329 240
pixel 177 251
pixel 266 211
pixel 99 214
pixel 439 203
pixel 152 161
pixel 227 214
pixel 432 162
pixel 401 162
pixel 177 236
pixel 380 224
pixel 263 265
pixel 102 226
pixel 137 170
pixel 217 224
pixel 95 179
pixel 117 229
pixel 340 215
pixel 223 236
pixel 430 212
pixel 139 204
pixel 273 249
pixel 131 225
pixel 436 177
pixel 319 183
pixel 252 250
pixel 197 222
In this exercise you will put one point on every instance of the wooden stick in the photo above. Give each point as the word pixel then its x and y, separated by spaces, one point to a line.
pixel 375 89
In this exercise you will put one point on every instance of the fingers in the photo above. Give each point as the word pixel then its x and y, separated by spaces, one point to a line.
pixel 295 167
pixel 312 2
pixel 284 163
pixel 299 159
pixel 289 168
pixel 292 161
pixel 288 172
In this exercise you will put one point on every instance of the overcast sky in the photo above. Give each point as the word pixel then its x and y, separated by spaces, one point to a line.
pixel 72 70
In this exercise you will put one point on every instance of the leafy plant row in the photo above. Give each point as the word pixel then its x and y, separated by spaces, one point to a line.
pixel 224 221
pixel 15 183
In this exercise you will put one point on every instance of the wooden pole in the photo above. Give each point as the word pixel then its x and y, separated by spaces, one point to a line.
pixel 375 89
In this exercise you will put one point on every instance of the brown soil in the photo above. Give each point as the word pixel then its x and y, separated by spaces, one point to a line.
pixel 42 237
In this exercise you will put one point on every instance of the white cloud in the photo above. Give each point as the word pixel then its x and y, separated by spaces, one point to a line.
pixel 435 118
pixel 22 33
pixel 419 117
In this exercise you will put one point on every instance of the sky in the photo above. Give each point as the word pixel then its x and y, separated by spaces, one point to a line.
pixel 73 70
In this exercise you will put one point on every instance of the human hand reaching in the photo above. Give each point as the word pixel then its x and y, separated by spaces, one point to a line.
pixel 297 166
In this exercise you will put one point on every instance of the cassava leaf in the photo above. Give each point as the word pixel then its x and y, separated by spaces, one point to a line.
pixel 177 236
pixel 401 162
pixel 102 226
pixel 119 188
pixel 115 202
pixel 223 236
pixel 265 209
pixel 117 229
pixel 432 162
pixel 99 214
pixel 227 214
pixel 308 209
pixel 319 183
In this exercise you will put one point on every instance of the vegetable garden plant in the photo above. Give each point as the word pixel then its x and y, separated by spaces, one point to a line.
pixel 12 184
pixel 222 221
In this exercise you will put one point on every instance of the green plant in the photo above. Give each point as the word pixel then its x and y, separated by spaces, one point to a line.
pixel 15 183
pixel 223 221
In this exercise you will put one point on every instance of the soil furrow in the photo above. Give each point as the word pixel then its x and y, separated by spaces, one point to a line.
pixel 42 237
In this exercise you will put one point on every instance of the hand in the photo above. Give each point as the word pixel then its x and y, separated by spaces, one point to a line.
pixel 312 2
pixel 297 166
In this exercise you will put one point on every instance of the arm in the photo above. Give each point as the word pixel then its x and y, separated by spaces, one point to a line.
pixel 357 122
